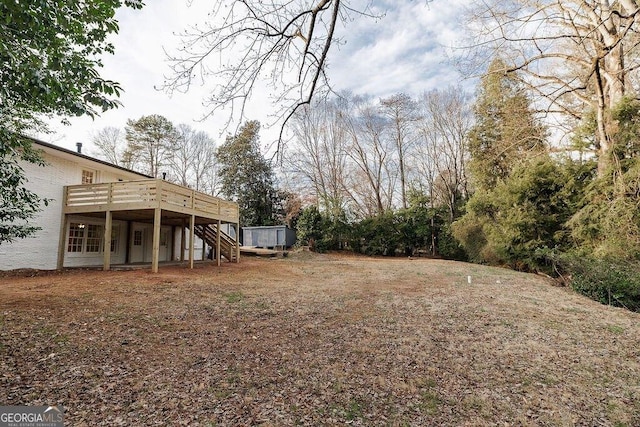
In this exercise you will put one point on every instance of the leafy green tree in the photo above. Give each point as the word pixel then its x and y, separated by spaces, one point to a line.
pixel 247 178
pixel 506 130
pixel 152 140
pixel 50 55
pixel 515 209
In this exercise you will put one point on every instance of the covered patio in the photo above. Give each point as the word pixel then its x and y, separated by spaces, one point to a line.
pixel 157 202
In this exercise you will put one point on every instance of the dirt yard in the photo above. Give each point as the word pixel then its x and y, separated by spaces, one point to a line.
pixel 317 340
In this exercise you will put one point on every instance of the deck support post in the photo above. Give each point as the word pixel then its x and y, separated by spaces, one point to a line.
pixel 192 226
pixel 238 242
pixel 218 244
pixel 157 217
pixel 63 232
pixel 106 265
pixel 183 240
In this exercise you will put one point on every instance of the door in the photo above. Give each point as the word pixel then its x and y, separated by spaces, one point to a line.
pixel 138 243
pixel 164 253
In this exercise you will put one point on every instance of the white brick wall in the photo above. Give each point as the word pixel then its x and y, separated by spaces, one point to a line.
pixel 41 250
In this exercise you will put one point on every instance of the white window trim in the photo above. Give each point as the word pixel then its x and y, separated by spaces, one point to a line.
pixel 115 231
pixel 93 171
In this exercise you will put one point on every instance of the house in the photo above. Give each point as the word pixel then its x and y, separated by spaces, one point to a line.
pixel 268 236
pixel 95 205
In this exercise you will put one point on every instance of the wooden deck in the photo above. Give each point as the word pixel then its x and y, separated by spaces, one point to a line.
pixel 147 194
pixel 149 200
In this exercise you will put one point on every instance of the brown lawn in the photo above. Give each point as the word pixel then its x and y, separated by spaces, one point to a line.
pixel 317 340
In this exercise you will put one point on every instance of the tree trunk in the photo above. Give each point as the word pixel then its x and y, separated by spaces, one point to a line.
pixel 610 91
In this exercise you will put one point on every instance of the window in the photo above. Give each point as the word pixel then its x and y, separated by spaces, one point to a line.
pixel 88 176
pixel 76 237
pixel 94 238
pixel 114 239
pixel 89 238
pixel 137 238
pixel 164 238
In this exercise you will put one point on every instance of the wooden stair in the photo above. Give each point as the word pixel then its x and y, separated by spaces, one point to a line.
pixel 228 248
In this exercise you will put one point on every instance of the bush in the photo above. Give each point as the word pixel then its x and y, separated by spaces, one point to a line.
pixel 395 233
pixel 448 246
pixel 377 236
pixel 321 232
pixel 309 226
pixel 609 281
pixel 526 212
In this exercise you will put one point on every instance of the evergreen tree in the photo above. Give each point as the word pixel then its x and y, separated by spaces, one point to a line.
pixel 506 130
pixel 513 212
pixel 247 178
pixel 608 222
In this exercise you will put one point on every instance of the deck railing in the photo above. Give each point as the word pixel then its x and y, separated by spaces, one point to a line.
pixel 147 194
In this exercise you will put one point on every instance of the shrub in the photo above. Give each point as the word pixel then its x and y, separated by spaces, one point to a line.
pixel 524 213
pixel 448 246
pixel 320 232
pixel 610 281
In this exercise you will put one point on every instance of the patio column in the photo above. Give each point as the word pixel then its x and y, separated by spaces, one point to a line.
pixel 172 243
pixel 218 245
pixel 157 217
pixel 183 240
pixel 63 232
pixel 238 242
pixel 192 226
pixel 106 265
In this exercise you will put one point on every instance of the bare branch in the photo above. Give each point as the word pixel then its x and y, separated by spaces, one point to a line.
pixel 283 44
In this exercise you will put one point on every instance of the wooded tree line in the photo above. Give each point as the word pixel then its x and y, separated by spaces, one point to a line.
pixel 360 157
pixel 155 146
pixel 480 179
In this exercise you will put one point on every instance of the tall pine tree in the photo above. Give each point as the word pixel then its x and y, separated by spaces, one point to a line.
pixel 506 132
pixel 512 212
pixel 151 140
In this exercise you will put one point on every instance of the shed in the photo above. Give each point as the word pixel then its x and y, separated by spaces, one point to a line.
pixel 269 236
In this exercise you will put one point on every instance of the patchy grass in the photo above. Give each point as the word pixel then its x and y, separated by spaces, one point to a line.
pixel 233 297
pixel 615 329
pixel 317 340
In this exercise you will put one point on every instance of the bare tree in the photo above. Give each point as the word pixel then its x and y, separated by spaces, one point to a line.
pixel 402 111
pixel 372 182
pixel 210 181
pixel 319 153
pixel 183 156
pixel 193 162
pixel 205 166
pixel 577 55
pixel 111 146
pixel 286 40
pixel 447 118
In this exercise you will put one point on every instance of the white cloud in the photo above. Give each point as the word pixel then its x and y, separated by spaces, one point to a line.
pixel 402 52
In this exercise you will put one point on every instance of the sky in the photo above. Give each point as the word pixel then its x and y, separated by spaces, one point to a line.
pixel 404 51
